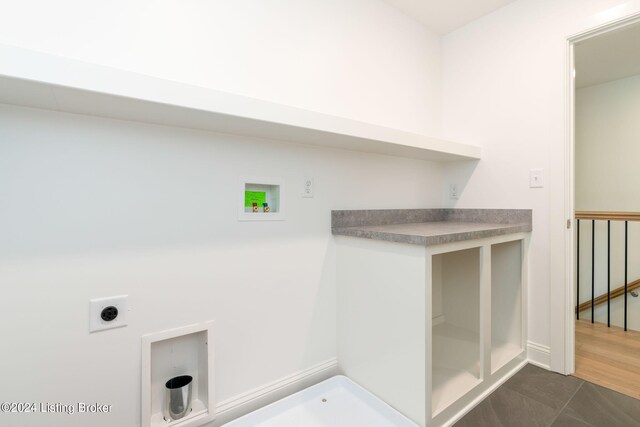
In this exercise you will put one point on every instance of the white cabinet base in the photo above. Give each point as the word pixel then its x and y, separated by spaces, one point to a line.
pixel 415 323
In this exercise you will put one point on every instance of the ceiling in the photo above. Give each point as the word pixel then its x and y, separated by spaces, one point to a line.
pixel 610 56
pixel 443 16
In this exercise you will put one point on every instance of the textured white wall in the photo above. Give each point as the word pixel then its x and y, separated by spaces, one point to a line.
pixel 360 59
pixel 95 207
pixel 504 85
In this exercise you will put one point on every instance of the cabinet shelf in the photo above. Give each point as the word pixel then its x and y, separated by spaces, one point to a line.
pixel 453 378
pixel 455 343
pixel 40 80
pixel 504 352
pixel 506 303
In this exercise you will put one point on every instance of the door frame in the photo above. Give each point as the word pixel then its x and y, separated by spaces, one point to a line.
pixel 569 293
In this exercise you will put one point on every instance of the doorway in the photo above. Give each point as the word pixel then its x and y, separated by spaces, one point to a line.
pixel 603 341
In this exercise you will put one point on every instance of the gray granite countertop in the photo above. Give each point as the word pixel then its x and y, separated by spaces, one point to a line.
pixel 430 226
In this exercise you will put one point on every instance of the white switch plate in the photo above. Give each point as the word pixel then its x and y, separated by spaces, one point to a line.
pixel 98 304
pixel 307 187
pixel 536 178
pixel 453 191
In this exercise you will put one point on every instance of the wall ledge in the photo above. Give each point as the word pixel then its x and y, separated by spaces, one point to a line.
pixel 40 80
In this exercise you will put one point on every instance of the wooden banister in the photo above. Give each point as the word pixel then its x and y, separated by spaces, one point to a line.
pixel 614 294
pixel 612 216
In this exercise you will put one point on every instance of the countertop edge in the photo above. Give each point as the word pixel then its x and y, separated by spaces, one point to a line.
pixel 359 232
pixel 378 217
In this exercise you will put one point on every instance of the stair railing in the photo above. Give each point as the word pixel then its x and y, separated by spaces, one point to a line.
pixel 594 216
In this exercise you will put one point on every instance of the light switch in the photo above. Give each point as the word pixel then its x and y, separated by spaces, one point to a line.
pixel 536 178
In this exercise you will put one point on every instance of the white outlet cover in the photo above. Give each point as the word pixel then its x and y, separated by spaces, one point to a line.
pixel 453 191
pixel 307 187
pixel 98 304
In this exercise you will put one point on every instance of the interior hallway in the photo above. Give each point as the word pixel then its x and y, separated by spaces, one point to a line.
pixel 609 357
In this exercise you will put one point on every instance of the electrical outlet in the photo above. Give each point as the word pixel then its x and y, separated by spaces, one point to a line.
pixel 307 189
pixel 108 313
pixel 453 191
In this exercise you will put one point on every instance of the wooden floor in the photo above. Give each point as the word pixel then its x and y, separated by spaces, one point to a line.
pixel 609 357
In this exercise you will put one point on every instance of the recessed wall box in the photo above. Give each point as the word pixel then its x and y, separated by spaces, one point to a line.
pixel 260 199
pixel 173 353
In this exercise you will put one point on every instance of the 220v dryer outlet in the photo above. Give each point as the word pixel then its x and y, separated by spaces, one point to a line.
pixel 108 313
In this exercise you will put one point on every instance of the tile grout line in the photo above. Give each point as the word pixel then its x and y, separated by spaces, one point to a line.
pixel 567 402
pixel 529 398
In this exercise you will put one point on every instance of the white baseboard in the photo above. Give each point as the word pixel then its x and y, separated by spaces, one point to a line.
pixel 244 403
pixel 539 355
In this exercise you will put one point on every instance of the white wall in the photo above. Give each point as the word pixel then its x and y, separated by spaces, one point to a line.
pixel 95 207
pixel 360 59
pixel 504 86
pixel 607 149
pixel 607 134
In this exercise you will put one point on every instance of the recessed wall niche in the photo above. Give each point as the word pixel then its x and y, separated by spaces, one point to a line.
pixel 260 199
pixel 182 351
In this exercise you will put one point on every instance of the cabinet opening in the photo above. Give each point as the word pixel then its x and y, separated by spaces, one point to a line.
pixel 456 326
pixel 506 303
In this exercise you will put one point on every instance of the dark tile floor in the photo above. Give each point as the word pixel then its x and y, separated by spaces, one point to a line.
pixel 537 397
